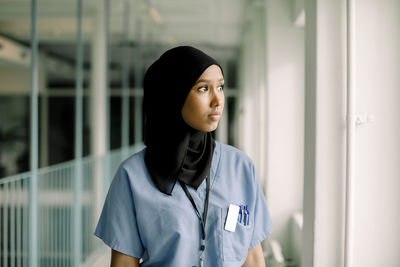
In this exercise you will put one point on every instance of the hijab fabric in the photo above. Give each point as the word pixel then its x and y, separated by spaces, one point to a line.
pixel 175 151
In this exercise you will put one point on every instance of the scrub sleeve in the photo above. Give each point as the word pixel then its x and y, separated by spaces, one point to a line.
pixel 262 221
pixel 117 225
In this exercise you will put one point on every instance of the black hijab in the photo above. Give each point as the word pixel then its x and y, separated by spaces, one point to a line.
pixel 175 151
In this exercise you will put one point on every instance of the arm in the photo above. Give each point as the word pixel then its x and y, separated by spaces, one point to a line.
pixel 119 259
pixel 255 257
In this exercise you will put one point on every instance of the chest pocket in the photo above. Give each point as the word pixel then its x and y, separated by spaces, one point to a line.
pixel 235 245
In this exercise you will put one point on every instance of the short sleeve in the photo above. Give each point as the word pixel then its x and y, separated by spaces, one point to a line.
pixel 261 218
pixel 117 226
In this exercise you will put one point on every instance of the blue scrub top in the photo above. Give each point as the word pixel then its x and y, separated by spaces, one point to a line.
pixel 164 230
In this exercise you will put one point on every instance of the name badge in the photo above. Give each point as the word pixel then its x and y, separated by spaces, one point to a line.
pixel 231 219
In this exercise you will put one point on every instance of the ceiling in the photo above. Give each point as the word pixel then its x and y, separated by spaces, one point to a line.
pixel 215 24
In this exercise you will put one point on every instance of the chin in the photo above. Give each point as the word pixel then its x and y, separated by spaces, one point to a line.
pixel 212 128
pixel 206 128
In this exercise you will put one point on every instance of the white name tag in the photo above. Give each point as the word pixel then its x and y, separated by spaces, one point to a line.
pixel 231 219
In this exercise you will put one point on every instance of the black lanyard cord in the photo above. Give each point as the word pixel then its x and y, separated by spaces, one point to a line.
pixel 204 219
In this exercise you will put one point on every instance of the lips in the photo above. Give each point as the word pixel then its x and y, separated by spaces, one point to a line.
pixel 214 116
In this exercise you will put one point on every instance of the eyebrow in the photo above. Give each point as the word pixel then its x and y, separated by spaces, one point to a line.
pixel 207 81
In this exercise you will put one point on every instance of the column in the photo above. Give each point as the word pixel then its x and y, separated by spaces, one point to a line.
pixel 98 98
pixel 324 133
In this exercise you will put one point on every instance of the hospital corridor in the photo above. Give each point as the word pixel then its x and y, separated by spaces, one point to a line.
pixel 312 97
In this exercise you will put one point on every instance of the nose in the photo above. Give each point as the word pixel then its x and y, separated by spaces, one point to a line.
pixel 217 98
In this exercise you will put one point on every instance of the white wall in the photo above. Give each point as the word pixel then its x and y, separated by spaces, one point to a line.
pixel 377 169
pixel 316 120
pixel 272 108
pixel 252 87
pixel 285 109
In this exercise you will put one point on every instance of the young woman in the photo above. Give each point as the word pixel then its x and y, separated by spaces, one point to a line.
pixel 185 200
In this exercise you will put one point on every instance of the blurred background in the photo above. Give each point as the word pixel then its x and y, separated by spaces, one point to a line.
pixel 312 96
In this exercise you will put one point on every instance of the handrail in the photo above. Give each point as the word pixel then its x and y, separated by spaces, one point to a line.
pixel 56 209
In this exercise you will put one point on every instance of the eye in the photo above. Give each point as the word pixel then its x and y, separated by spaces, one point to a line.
pixel 202 89
pixel 221 87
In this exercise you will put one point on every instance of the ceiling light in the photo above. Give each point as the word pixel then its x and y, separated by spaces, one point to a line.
pixel 171 40
pixel 155 16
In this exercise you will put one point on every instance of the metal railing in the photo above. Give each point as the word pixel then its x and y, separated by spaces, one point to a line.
pixel 56 211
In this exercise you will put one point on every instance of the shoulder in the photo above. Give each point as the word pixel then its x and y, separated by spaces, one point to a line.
pixel 236 174
pixel 232 153
pixel 136 174
pixel 134 161
pixel 235 161
pixel 131 167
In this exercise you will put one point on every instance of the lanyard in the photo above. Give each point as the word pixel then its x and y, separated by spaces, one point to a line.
pixel 202 219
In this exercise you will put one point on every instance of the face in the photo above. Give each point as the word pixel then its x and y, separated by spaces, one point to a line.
pixel 204 104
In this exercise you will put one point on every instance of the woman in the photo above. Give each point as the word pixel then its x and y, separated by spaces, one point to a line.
pixel 185 200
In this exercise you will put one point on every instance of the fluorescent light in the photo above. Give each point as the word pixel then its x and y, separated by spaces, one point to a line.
pixel 171 40
pixel 155 16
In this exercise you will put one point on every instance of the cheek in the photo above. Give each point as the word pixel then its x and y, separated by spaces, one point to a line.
pixel 191 111
pixel 196 107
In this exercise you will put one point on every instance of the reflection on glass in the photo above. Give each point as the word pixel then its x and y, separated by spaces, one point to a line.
pixel 14 87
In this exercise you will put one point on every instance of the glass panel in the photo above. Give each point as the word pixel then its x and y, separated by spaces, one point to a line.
pixel 14 86
pixel 57 39
pixel 115 69
pixel 87 35
pixel 57 46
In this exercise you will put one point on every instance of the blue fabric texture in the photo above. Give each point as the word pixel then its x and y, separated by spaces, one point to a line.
pixel 140 221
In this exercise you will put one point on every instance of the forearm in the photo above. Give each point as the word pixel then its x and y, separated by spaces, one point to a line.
pixel 119 259
pixel 255 257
